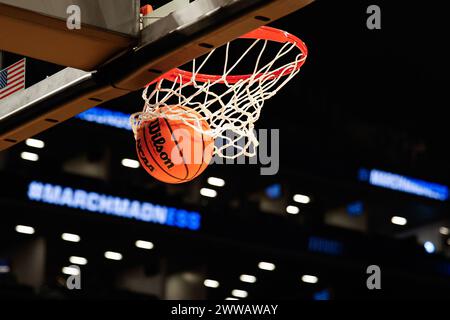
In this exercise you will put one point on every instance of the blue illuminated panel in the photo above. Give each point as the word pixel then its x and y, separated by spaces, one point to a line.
pixel 274 191
pixel 404 184
pixel 111 205
pixel 355 208
pixel 322 245
pixel 106 117
pixel 444 268
pixel 323 295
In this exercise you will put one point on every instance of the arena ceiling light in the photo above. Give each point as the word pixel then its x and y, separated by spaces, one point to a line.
pixel 444 231
pixel 111 255
pixel 231 298
pixel 307 278
pixel 71 237
pixel 5 269
pixel 210 193
pixel 144 244
pixel 130 163
pixel 239 293
pixel 30 156
pixel 301 198
pixel 429 247
pixel 400 221
pixel 24 229
pixel 292 209
pixel 217 182
pixel 247 278
pixel 78 260
pixel 211 283
pixel 35 143
pixel 71 271
pixel 268 266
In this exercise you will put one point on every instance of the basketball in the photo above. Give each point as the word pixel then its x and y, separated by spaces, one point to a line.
pixel 172 150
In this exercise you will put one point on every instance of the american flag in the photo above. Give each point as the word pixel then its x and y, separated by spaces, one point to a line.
pixel 12 79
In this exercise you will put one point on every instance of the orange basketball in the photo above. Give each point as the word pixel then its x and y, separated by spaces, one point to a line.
pixel 171 150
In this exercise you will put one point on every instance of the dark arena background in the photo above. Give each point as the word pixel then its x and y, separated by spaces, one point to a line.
pixel 354 203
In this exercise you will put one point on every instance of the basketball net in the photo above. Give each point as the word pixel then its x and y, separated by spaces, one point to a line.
pixel 230 104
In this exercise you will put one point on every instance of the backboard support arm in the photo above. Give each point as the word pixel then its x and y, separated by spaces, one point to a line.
pixel 166 44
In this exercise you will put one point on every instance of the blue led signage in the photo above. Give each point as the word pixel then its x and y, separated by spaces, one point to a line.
pixel 111 205
pixel 404 184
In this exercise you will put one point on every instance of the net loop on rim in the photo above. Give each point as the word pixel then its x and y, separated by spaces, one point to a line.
pixel 229 103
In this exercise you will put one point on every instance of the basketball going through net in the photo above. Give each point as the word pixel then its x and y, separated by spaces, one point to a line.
pixel 221 108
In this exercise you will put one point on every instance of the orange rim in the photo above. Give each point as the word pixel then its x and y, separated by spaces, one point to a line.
pixel 262 33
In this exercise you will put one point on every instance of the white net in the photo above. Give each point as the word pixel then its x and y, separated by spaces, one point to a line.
pixel 230 104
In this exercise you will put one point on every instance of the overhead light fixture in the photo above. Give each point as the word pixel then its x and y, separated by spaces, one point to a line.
pixel 309 278
pixel 247 278
pixel 239 293
pixel 111 255
pixel 71 271
pixel 30 156
pixel 400 221
pixel 231 298
pixel 144 244
pixel 35 143
pixel 444 231
pixel 4 269
pixel 429 247
pixel 78 260
pixel 70 237
pixel 210 193
pixel 217 182
pixel 300 198
pixel 292 209
pixel 211 283
pixel 130 163
pixel 24 229
pixel 266 266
